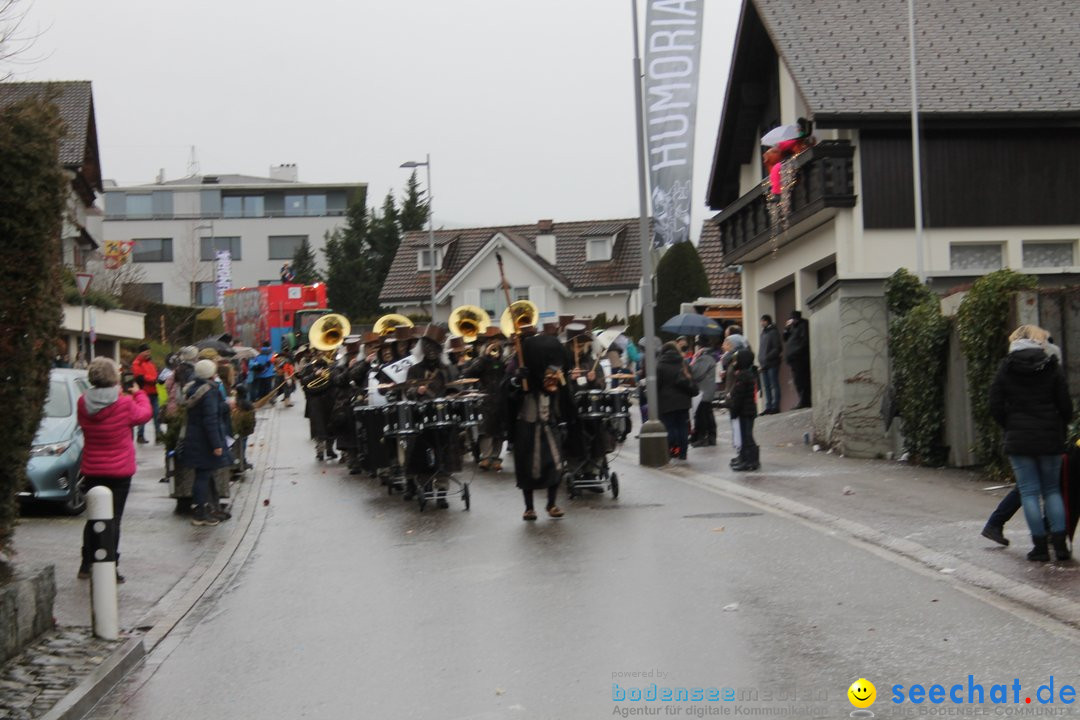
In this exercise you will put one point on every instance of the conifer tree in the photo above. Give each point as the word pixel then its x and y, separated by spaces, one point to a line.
pixel 303 265
pixel 680 277
pixel 415 207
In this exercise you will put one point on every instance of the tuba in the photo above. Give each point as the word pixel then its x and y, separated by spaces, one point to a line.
pixel 388 323
pixel 469 321
pixel 518 315
pixel 326 335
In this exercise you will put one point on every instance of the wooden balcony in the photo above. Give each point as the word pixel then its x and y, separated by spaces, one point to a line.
pixel 824 178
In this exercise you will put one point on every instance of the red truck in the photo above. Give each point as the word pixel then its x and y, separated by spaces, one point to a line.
pixel 281 313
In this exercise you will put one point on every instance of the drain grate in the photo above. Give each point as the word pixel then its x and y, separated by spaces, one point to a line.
pixel 716 515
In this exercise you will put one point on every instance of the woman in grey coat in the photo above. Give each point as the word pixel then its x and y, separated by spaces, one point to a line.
pixel 703 373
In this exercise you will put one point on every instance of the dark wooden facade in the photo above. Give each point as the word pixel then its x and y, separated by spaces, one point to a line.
pixel 972 177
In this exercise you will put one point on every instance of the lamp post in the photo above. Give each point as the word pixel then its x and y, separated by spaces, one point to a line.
pixel 431 225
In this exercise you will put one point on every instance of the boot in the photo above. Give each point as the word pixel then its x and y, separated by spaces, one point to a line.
pixel 995 533
pixel 1039 553
pixel 1061 546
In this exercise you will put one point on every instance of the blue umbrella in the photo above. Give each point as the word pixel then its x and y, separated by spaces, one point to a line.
pixel 692 324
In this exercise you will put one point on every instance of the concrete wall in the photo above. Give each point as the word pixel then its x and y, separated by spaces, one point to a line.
pixel 26 607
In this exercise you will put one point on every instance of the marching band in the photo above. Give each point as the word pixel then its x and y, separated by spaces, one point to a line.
pixel 407 404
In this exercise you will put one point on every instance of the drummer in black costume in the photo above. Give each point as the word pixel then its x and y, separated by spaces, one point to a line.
pixel 539 401
pixel 586 374
pixel 436 450
pixel 489 367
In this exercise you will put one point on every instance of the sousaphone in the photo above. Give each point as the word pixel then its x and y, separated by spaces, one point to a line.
pixel 388 323
pixel 518 315
pixel 469 321
pixel 329 332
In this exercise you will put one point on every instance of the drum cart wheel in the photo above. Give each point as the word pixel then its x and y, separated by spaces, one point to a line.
pixel 465 495
pixel 571 490
pixel 614 485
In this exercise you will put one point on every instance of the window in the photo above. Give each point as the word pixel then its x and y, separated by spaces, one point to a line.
pixel 972 256
pixel 203 293
pixel 263 283
pixel 284 247
pixel 598 249
pixel 149 292
pixel 1039 254
pixel 316 204
pixel 234 206
pixel 58 401
pixel 253 206
pixel 423 259
pixel 148 250
pixel 494 301
pixel 294 205
pixel 140 206
pixel 209 246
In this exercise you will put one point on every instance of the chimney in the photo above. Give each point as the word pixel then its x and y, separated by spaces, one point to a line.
pixel 545 241
pixel 287 172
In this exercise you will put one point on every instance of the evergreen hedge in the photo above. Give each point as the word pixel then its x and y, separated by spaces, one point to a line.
pixel 33 194
pixel 680 278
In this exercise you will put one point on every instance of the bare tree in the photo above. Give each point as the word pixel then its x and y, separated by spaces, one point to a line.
pixel 114 281
pixel 15 38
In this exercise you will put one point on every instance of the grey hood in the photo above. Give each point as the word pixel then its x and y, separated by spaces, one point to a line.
pixel 97 399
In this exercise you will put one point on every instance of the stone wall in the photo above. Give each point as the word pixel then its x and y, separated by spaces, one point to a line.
pixel 26 607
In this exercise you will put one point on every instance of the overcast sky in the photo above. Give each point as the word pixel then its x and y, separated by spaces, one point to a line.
pixel 526 106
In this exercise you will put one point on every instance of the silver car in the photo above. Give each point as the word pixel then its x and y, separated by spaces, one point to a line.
pixel 53 471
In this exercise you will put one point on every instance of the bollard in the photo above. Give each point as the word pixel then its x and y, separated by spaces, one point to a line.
pixel 653 450
pixel 104 607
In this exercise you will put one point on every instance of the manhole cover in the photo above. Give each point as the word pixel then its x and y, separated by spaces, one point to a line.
pixel 713 516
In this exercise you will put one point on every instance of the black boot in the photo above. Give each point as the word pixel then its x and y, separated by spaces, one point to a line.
pixel 1039 553
pixel 995 533
pixel 1061 546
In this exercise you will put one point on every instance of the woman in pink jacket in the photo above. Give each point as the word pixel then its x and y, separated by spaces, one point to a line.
pixel 106 417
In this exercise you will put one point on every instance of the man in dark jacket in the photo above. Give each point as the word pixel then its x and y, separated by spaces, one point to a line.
pixel 797 354
pixel 675 388
pixel 771 354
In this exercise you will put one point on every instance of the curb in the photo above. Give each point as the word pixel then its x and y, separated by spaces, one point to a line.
pixel 98 683
pixel 965 575
pixel 175 605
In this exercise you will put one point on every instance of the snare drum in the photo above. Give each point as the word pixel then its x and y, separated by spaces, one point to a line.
pixel 617 403
pixel 436 414
pixel 466 410
pixel 590 404
pixel 400 418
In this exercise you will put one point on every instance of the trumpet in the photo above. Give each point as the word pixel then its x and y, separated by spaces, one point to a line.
pixel 388 323
pixel 518 315
pixel 469 321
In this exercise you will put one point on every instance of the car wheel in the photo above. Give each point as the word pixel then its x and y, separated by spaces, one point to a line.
pixel 76 499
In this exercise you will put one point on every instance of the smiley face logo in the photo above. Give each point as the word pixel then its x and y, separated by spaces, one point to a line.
pixel 862 693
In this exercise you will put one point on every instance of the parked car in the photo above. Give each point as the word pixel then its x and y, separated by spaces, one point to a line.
pixel 53 471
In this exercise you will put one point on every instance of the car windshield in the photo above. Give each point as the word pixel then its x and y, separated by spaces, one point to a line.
pixel 58 403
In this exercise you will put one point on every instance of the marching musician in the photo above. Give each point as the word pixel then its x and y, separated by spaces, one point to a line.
pixel 315 380
pixel 539 401
pixel 436 451
pixel 489 367
pixel 587 374
pixel 341 381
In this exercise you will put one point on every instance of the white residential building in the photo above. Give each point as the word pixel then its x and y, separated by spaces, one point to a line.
pixel 177 227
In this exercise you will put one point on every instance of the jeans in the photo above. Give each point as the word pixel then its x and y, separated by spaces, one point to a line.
pixel 1039 477
pixel 677 424
pixel 120 487
pixel 748 451
pixel 1005 509
pixel 153 398
pixel 770 386
pixel 201 489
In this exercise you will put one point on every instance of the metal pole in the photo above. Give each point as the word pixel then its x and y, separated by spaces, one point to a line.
pixel 82 329
pixel 916 151
pixel 431 235
pixel 653 450
pixel 104 607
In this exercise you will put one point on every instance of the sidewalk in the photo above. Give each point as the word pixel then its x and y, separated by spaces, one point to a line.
pixel 929 516
pixel 167 563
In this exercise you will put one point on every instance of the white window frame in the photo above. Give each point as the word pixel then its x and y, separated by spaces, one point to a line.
pixel 422 253
pixel 609 246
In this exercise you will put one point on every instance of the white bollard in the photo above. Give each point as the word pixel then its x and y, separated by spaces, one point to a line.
pixel 104 606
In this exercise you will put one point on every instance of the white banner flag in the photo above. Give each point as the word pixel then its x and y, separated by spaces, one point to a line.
pixel 672 52
pixel 223 275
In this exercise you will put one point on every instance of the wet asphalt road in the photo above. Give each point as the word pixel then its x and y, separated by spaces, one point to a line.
pixel 355 605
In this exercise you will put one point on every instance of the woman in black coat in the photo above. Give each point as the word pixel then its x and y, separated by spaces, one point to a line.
pixel 204 447
pixel 742 405
pixel 675 387
pixel 1031 402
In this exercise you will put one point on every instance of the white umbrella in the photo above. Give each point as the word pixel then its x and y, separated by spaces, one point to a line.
pixel 245 353
pixel 609 337
pixel 780 134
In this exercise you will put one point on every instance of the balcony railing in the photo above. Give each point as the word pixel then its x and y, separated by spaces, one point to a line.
pixel 823 178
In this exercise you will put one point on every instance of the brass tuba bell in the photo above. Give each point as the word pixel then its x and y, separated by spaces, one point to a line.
pixel 469 321
pixel 328 332
pixel 388 323
pixel 518 315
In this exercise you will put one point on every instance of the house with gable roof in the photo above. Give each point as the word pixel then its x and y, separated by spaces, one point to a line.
pixel 999 108
pixel 568 268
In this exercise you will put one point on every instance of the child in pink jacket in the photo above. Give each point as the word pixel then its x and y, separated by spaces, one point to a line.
pixel 106 415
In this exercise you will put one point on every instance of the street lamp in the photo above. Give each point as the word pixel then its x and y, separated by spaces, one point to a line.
pixel 431 225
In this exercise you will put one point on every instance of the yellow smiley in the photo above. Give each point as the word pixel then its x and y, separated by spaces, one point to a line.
pixel 862 693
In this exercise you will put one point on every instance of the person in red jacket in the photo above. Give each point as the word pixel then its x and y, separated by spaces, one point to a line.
pixel 146 374
pixel 106 416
